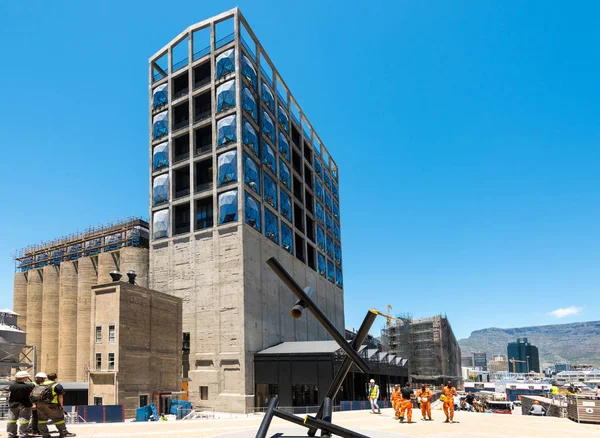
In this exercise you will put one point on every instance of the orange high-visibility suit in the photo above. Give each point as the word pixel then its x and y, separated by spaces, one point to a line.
pixel 425 400
pixel 406 404
pixel 450 393
pixel 396 401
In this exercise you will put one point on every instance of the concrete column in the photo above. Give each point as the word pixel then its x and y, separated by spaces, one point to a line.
pixel 67 324
pixel 50 317
pixel 34 310
pixel 135 259
pixel 85 280
pixel 108 261
pixel 20 299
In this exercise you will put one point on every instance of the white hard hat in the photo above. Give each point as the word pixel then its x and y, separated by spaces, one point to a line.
pixel 22 374
pixel 41 375
pixel 372 381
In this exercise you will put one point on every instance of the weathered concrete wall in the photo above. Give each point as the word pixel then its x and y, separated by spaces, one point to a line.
pixel 34 309
pixel 50 316
pixel 108 261
pixel 20 299
pixel 67 324
pixel 86 278
pixel 135 259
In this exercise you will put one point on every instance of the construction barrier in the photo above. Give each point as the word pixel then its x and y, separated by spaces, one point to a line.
pixel 364 404
pixel 98 413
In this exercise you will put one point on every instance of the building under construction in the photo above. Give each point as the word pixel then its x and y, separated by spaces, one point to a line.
pixel 53 290
pixel 429 345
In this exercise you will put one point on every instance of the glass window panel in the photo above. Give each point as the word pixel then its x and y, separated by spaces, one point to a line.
pixel 266 96
pixel 160 125
pixel 284 174
pixel 227 164
pixel 330 271
pixel 286 205
pixel 225 63
pixel 335 192
pixel 226 128
pixel 249 137
pixel 269 157
pixel 320 238
pixel 336 231
pixel 319 189
pixel 336 210
pixel 329 246
pixel 327 179
pixel 287 240
pixel 160 224
pixel 328 222
pixel 228 207
pixel 226 96
pixel 249 71
pixel 161 189
pixel 339 282
pixel 327 200
pixel 267 126
pixel 160 157
pixel 160 96
pixel 317 166
pixel 271 226
pixel 251 174
pixel 252 212
pixel 337 254
pixel 270 191
pixel 321 265
pixel 284 146
pixel 283 119
pixel 249 104
pixel 320 215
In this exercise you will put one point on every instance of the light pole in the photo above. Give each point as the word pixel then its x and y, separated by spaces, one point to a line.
pixel 528 364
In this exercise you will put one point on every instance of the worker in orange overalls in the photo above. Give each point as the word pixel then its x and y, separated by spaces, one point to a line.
pixel 450 393
pixel 407 405
pixel 424 395
pixel 396 400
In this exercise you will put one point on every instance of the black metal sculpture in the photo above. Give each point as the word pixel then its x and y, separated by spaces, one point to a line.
pixel 322 420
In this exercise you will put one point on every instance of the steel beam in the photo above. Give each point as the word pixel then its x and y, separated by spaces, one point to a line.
pixel 266 422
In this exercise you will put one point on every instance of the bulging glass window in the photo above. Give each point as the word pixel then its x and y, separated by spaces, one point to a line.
pixel 269 157
pixel 225 63
pixel 249 104
pixel 227 165
pixel 160 156
pixel 329 246
pixel 330 271
pixel 160 125
pixel 284 174
pixel 287 241
pixel 271 226
pixel 320 238
pixel 226 130
pixel 286 205
pixel 251 174
pixel 320 215
pixel 282 119
pixel 337 251
pixel 336 210
pixel 160 96
pixel 327 200
pixel 336 231
pixel 317 166
pixel 267 126
pixel 335 192
pixel 252 212
pixel 161 189
pixel 319 189
pixel 160 224
pixel 328 223
pixel 249 137
pixel 284 146
pixel 339 281
pixel 248 71
pixel 226 96
pixel 270 191
pixel 228 207
pixel 266 96
pixel 327 179
pixel 321 265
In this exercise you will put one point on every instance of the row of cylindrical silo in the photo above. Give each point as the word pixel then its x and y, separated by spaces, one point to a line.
pixel 55 307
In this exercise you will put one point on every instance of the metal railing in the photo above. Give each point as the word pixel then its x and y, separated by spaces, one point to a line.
pixel 179 65
pixel 246 46
pixel 204 149
pixel 201 83
pixel 204 186
pixel 198 117
pixel 224 41
pixel 181 93
pixel 180 125
pixel 201 53
pixel 266 76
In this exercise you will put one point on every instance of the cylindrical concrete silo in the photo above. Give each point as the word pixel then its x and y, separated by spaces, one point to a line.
pixel 107 261
pixel 67 325
pixel 86 278
pixel 34 310
pixel 20 299
pixel 135 259
pixel 50 315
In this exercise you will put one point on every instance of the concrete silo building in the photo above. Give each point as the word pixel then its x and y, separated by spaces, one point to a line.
pixel 237 175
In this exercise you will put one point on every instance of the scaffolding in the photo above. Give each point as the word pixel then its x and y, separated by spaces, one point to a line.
pixel 131 231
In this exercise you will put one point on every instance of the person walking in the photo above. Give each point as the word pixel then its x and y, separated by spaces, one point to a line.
pixel 449 394
pixel 424 395
pixel 396 401
pixel 60 392
pixel 407 405
pixel 48 405
pixel 373 394
pixel 19 405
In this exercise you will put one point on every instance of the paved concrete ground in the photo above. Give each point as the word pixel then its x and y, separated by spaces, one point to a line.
pixel 376 426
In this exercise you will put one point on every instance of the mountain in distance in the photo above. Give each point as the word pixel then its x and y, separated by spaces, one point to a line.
pixel 577 342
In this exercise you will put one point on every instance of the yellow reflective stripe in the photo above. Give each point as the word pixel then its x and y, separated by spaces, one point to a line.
pixel 23 421
pixel 42 422
pixel 12 421
pixel 59 422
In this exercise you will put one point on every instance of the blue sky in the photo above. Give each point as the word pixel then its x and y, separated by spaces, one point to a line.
pixel 467 136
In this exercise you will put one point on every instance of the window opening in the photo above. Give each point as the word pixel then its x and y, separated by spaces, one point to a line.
pixel 160 156
pixel 224 32
pixel 300 248
pixel 181 148
pixel 161 189
pixel 226 96
pixel 317 166
pixel 251 174
pixel 226 130
pixel 284 174
pixel 202 107
pixel 310 257
pixel 328 201
pixel 339 282
pixel 182 219
pixel 307 152
pixel 179 55
pixel 204 393
pixel 284 146
pixel 286 205
pixel 310 229
pixel 180 86
pixel 336 210
pixel 298 189
pixel 305 129
pixel 321 264
pixel 111 361
pixel 111 334
pixel 308 176
pixel 337 254
pixel 267 126
pixel 309 201
pixel 330 271
pixel 269 157
pixel 270 194
pixel 98 361
pixel 327 179
pixel 320 215
pixel 286 238
pixel 228 207
pixel 225 63
pixel 202 74
pixel 249 137
pixel 143 400
pixel 271 226
pixel 201 43
pixel 227 167
pixel 298 217
pixel 335 192
pixel 328 223
pixel 336 231
pixel 319 189
pixel 297 161
pixel 295 136
pixel 329 246
pixel 295 112
pixel 160 97
pixel 98 334
pixel 282 119
pixel 181 116
pixel 249 72
pixel 97 401
pixel 252 212
pixel 160 224
pixel 249 103
pixel 266 96
pixel 320 238
pixel 181 186
pixel 160 125
pixel 204 213
pixel 203 139
pixel 204 175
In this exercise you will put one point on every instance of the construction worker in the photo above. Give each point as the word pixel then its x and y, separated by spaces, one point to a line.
pixel 48 403
pixel 537 409
pixel 19 405
pixel 407 395
pixel 449 394
pixel 60 391
pixel 554 390
pixel 396 401
pixel 373 394
pixel 33 425
pixel 424 395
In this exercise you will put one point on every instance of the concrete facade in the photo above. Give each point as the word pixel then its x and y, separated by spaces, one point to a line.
pixel 139 346
pixel 233 305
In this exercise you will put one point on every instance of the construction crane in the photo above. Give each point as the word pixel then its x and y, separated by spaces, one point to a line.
pixel 389 317
pixel 513 361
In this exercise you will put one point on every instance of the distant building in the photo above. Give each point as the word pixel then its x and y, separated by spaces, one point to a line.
pixel 562 367
pixel 526 357
pixel 429 345
pixel 480 361
pixel 467 362
pixel 498 364
pixel 499 357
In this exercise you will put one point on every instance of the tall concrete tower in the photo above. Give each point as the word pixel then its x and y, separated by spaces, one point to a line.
pixel 238 175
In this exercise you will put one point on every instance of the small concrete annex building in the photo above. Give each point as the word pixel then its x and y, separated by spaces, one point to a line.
pixel 237 175
pixel 136 346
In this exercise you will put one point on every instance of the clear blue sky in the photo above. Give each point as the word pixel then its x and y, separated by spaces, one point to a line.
pixel 467 135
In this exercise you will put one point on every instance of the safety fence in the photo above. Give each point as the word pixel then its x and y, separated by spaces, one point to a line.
pixel 95 414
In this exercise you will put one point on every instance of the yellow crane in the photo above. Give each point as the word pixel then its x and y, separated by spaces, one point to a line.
pixel 513 361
